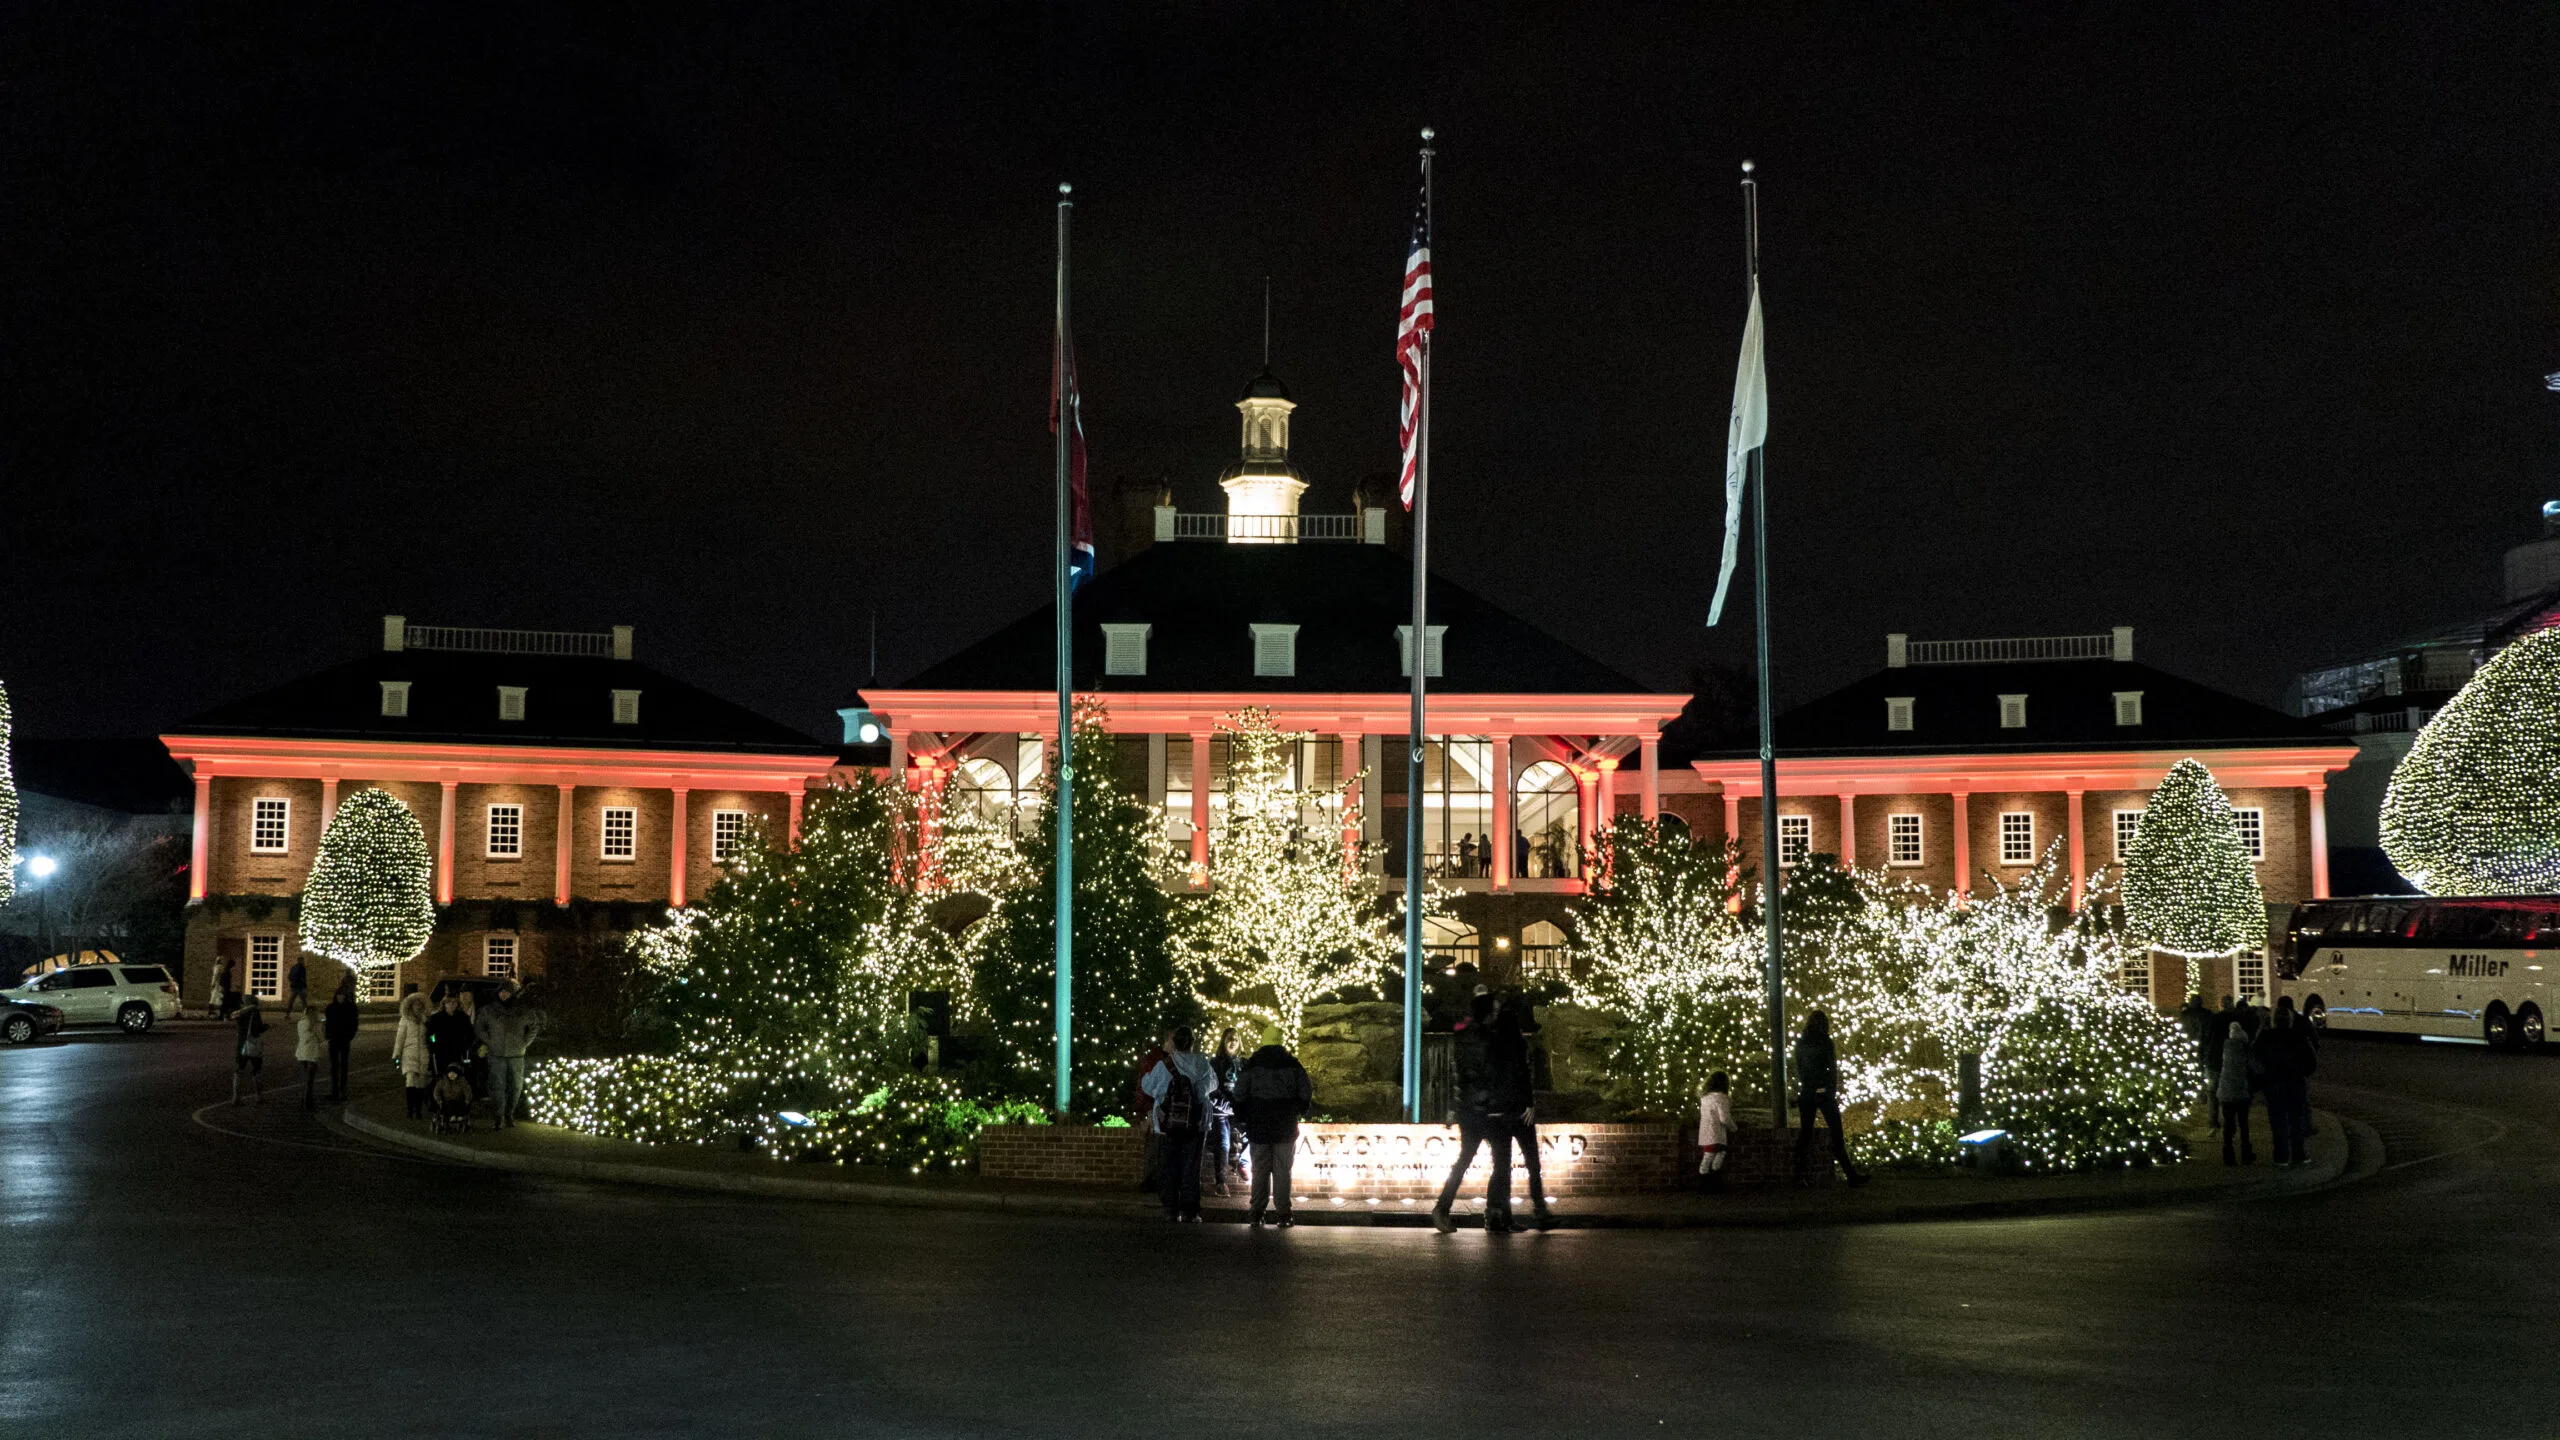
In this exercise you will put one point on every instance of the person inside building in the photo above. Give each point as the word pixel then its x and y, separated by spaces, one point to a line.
pixel 1272 1096
pixel 1180 1086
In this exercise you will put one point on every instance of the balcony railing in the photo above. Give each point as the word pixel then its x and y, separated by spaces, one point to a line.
pixel 2025 647
pixel 594 645
pixel 1273 529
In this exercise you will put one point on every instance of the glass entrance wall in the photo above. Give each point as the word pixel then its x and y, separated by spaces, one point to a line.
pixel 1550 824
pixel 1177 790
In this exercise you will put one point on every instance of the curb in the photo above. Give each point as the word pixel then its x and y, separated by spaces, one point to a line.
pixel 2362 1158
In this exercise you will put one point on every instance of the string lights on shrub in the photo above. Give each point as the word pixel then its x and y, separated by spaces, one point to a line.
pixel 370 899
pixel 2474 808
pixel 2190 887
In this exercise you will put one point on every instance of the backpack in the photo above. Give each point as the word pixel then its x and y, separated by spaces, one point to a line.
pixel 1180 1107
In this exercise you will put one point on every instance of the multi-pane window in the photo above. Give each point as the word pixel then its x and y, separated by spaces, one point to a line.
pixel 2013 712
pixel 1550 823
pixel 2253 831
pixel 381 982
pixel 2017 837
pixel 1542 949
pixel 1795 839
pixel 621 832
pixel 2127 821
pixel 266 966
pixel 2250 971
pixel 2136 974
pixel 1897 712
pixel 498 957
pixel 506 832
pixel 1902 839
pixel 1458 787
pixel 728 835
pixel 270 825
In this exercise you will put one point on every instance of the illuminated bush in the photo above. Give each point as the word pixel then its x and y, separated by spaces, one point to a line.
pixel 2474 808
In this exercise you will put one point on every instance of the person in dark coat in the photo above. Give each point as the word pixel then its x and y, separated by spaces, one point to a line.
pixel 1272 1095
pixel 338 1024
pixel 2285 1061
pixel 1470 1048
pixel 1226 1154
pixel 1818 1097
pixel 2234 1082
pixel 450 1039
pixel 1511 1117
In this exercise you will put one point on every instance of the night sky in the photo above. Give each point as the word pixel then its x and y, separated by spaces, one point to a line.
pixel 2227 324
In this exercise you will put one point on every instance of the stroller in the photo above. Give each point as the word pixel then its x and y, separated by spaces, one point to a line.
pixel 449 1104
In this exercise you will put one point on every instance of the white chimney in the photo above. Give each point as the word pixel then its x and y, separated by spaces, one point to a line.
pixel 1897 651
pixel 621 642
pixel 395 632
pixel 2124 645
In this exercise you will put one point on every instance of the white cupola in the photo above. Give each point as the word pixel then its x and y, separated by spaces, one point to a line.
pixel 1263 489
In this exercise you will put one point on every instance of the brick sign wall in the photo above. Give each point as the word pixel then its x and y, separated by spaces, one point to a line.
pixel 1386 1162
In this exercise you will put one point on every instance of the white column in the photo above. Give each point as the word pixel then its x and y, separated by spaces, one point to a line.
pixel 1200 807
pixel 2079 860
pixel 563 843
pixel 1504 816
pixel 444 844
pixel 1649 748
pixel 1848 829
pixel 328 801
pixel 797 797
pixel 1352 793
pixel 2318 790
pixel 1964 846
pixel 675 851
pixel 200 850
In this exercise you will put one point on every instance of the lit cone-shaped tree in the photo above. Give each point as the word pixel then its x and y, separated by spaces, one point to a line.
pixel 370 899
pixel 1663 950
pixel 2474 809
pixel 2189 885
pixel 8 808
pixel 1292 920
pixel 1126 985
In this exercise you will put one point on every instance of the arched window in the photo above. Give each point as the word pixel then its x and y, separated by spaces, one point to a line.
pixel 983 788
pixel 1542 949
pixel 1546 847
pixel 1674 829
pixel 1448 943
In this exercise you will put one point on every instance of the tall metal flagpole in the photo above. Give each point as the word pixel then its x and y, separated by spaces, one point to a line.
pixel 1417 649
pixel 1773 968
pixel 1065 763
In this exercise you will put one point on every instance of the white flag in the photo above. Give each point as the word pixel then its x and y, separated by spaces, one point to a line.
pixel 1748 431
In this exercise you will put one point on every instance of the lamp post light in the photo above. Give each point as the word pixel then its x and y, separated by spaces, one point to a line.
pixel 41 867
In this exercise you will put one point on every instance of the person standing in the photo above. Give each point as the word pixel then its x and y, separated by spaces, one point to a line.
pixel 1511 1117
pixel 339 1023
pixel 508 1027
pixel 1470 1049
pixel 306 1051
pixel 1715 1131
pixel 449 1037
pixel 2285 1062
pixel 2235 1080
pixel 1818 1097
pixel 226 991
pixel 2217 1029
pixel 1142 1114
pixel 409 1052
pixel 1225 1154
pixel 1180 1086
pixel 249 1053
pixel 297 986
pixel 1272 1096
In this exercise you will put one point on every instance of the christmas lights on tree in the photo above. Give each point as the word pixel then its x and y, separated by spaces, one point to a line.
pixel 1663 950
pixel 2190 887
pixel 8 808
pixel 370 899
pixel 2474 808
pixel 1294 917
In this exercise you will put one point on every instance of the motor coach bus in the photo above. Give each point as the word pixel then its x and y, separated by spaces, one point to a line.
pixel 2456 969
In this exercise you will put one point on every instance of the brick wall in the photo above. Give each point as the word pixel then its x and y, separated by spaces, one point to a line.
pixel 1060 1154
pixel 233 869
pixel 641 878
pixel 527 877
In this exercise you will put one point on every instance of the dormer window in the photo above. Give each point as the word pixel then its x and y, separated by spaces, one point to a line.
pixel 510 702
pixel 395 699
pixel 2128 707
pixel 1431 638
pixel 1124 649
pixel 626 707
pixel 1275 650
pixel 1897 712
pixel 2013 712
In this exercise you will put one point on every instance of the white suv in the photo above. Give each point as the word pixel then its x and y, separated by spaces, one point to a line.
pixel 130 997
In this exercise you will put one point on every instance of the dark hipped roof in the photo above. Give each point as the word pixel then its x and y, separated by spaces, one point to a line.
pixel 134 776
pixel 1347 600
pixel 453 698
pixel 2070 706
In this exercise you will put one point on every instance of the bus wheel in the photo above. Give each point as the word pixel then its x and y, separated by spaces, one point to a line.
pixel 2315 1013
pixel 2529 1027
pixel 2496 1028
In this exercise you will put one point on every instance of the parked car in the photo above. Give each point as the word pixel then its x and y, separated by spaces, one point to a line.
pixel 21 1021
pixel 130 997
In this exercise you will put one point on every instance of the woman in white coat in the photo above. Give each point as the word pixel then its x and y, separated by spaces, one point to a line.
pixel 1715 1129
pixel 409 1052
pixel 308 1050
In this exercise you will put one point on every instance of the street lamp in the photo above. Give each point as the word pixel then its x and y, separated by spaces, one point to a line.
pixel 42 867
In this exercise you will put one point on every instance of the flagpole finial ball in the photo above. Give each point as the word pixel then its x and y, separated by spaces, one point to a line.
pixel 1746 167
pixel 1426 132
pixel 1066 189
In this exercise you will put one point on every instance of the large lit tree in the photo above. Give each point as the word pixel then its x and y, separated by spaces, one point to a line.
pixel 2190 887
pixel 1663 951
pixel 1127 989
pixel 2474 808
pixel 370 899
pixel 8 808
pixel 1294 917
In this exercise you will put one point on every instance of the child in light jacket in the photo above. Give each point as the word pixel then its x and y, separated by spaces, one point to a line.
pixel 1715 1129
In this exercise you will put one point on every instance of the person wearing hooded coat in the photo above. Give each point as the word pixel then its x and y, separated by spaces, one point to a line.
pixel 409 1053
pixel 307 1051
pixel 1272 1094
pixel 1511 1117
pixel 1471 1049
pixel 1182 1122
pixel 2235 1082
pixel 1818 1097
pixel 450 1039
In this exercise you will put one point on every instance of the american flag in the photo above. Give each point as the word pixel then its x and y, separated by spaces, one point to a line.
pixel 1412 326
pixel 1062 388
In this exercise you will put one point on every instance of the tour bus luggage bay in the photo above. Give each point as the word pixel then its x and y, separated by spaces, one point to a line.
pixel 2458 969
